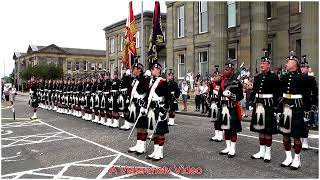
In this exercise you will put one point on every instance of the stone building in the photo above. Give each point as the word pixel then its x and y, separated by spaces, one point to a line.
pixel 114 35
pixel 203 34
pixel 74 61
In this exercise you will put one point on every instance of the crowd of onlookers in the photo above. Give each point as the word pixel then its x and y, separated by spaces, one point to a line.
pixel 198 85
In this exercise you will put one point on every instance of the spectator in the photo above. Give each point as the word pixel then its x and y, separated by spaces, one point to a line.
pixel 198 76
pixel 206 77
pixel 12 94
pixel 191 80
pixel 184 92
pixel 197 96
pixel 203 94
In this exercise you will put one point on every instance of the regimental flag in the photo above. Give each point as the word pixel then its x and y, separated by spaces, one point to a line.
pixel 157 41
pixel 129 50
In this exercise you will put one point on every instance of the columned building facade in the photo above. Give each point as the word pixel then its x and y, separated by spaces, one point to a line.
pixel 203 34
pixel 114 35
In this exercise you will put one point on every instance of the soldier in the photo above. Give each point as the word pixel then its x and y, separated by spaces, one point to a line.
pixel 97 99
pixel 114 100
pixel 264 98
pixel 92 98
pixel 49 100
pixel 294 108
pixel 34 98
pixel 105 101
pixel 137 108
pixel 124 99
pixel 231 93
pixel 214 100
pixel 40 86
pixel 159 99
pixel 53 95
pixel 313 94
pixel 175 93
pixel 87 94
pixel 79 100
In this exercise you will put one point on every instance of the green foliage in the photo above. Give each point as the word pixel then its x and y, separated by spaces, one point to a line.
pixel 42 70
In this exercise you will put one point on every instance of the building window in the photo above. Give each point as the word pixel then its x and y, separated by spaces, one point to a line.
pixel 299 6
pixel 93 66
pixel 269 10
pixel 232 54
pixel 77 66
pixel 137 39
pixel 69 65
pixel 121 42
pixel 203 62
pixel 100 66
pixel 180 15
pixel 85 66
pixel 111 45
pixel 181 66
pixel 203 16
pixel 232 14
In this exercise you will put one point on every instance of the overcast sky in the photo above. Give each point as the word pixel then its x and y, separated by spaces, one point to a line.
pixel 66 23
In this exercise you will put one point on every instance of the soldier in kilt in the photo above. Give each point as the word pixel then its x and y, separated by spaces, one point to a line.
pixel 98 99
pixel 231 94
pixel 34 97
pixel 264 98
pixel 114 100
pixel 87 95
pixel 312 82
pixel 124 99
pixel 106 104
pixel 175 93
pixel 137 108
pixel 159 99
pixel 294 109
pixel 214 100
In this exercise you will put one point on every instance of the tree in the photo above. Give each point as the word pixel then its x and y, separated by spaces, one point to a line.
pixel 42 70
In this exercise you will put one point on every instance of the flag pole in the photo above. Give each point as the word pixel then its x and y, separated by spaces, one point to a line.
pixel 142 34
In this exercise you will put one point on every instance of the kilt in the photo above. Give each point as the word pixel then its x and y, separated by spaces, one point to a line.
pixel 298 126
pixel 162 126
pixel 34 102
pixel 270 125
pixel 235 124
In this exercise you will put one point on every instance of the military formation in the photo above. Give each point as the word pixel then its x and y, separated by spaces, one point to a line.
pixel 148 102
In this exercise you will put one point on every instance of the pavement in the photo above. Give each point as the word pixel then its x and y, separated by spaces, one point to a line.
pixel 62 146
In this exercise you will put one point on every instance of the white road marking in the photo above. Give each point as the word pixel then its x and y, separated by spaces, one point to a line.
pixel 115 151
pixel 6 132
pixel 34 142
pixel 55 166
pixel 106 170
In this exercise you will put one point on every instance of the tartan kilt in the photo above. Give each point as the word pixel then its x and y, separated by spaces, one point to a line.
pixel 235 124
pixel 270 121
pixel 162 127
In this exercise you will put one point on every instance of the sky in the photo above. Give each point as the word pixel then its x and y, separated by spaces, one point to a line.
pixel 65 23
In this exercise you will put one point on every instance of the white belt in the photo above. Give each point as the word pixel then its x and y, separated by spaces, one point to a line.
pixel 292 96
pixel 113 90
pixel 87 91
pixel 157 98
pixel 224 98
pixel 105 93
pixel 138 96
pixel 125 89
pixel 264 95
pixel 99 91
